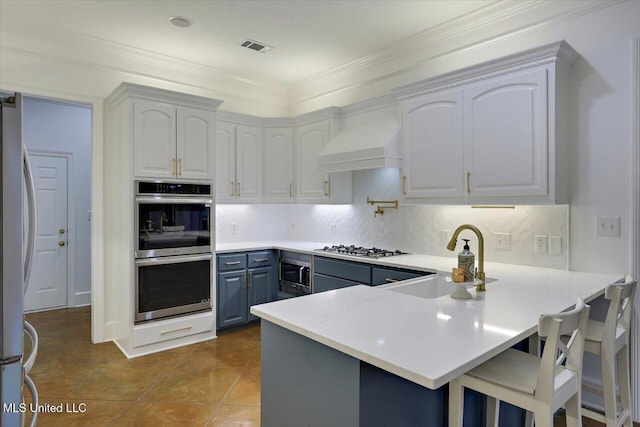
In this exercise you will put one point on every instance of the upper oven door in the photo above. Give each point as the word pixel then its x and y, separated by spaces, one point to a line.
pixel 172 226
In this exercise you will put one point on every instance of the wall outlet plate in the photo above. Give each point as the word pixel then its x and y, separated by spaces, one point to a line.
pixel 541 244
pixel 503 241
pixel 234 228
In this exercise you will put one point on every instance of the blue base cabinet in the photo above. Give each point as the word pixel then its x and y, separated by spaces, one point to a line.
pixel 244 279
pixel 305 383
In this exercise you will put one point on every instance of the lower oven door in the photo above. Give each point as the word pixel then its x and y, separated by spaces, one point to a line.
pixel 172 285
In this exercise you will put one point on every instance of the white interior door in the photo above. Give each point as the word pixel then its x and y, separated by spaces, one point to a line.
pixel 48 282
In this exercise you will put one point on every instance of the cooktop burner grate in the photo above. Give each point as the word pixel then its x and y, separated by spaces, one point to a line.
pixel 360 251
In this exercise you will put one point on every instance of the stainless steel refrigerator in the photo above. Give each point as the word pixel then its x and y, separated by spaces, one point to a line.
pixel 17 233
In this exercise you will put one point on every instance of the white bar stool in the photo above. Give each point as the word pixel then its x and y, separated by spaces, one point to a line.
pixel 539 385
pixel 610 340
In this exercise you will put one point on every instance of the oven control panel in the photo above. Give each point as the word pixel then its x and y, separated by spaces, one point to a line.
pixel 151 188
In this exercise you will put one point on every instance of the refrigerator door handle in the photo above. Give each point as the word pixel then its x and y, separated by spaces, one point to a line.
pixel 34 397
pixel 33 335
pixel 31 197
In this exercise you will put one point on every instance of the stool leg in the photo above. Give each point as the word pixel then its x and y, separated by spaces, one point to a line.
pixel 573 410
pixel 493 411
pixel 609 385
pixel 623 382
pixel 456 402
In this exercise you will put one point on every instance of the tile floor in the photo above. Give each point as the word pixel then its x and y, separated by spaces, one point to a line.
pixel 216 383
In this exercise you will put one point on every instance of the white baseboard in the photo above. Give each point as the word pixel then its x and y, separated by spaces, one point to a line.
pixel 82 299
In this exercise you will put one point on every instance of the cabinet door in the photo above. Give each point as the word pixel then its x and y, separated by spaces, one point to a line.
pixel 195 148
pixel 232 298
pixel 154 128
pixel 433 145
pixel 248 162
pixel 260 287
pixel 278 164
pixel 310 141
pixel 225 161
pixel 506 135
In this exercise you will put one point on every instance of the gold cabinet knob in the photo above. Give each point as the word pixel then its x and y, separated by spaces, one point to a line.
pixel 61 243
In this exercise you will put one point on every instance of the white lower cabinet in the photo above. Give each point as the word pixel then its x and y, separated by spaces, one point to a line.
pixel 170 329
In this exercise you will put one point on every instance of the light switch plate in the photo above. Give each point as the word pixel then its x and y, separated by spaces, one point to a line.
pixel 555 245
pixel 608 226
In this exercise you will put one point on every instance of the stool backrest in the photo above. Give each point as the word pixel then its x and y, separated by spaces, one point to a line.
pixel 620 296
pixel 557 356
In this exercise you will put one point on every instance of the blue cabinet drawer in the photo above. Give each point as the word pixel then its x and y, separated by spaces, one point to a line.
pixel 383 276
pixel 353 271
pixel 259 259
pixel 322 283
pixel 232 262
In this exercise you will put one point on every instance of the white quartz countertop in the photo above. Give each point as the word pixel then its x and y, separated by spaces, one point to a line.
pixel 432 341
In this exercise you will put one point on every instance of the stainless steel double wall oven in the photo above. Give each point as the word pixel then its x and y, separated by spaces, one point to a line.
pixel 174 257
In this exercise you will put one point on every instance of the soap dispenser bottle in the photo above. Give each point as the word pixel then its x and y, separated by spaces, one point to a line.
pixel 467 261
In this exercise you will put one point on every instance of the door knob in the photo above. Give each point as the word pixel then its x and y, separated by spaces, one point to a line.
pixel 61 243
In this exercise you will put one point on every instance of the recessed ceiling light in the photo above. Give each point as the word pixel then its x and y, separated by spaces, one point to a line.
pixel 180 21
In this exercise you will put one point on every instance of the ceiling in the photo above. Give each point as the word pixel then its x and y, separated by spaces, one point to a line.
pixel 309 37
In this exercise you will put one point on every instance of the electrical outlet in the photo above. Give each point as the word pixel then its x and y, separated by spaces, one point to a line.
pixel 503 241
pixel 332 229
pixel 541 244
pixel 445 236
pixel 234 228
pixel 608 226
pixel 555 245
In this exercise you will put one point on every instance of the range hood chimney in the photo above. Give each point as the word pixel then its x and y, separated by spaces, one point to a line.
pixel 376 145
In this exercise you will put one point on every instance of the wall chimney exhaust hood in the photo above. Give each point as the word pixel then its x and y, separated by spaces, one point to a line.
pixel 376 145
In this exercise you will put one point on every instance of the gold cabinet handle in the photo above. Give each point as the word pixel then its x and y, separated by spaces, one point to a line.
pixel 232 188
pixel 251 280
pixel 238 189
pixel 261 260
pixel 390 280
pixel 61 243
pixel 468 182
pixel 290 189
pixel 179 167
pixel 326 187
pixel 173 163
pixel 404 185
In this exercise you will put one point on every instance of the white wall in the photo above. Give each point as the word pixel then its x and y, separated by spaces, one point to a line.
pixel 53 126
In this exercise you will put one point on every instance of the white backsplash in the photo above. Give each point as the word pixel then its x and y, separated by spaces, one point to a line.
pixel 416 229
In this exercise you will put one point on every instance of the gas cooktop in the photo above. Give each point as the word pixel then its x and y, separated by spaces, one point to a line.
pixel 359 251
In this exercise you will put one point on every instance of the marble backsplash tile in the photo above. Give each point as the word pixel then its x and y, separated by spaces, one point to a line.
pixel 411 228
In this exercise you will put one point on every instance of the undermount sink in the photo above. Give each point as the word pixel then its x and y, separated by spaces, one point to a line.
pixel 427 287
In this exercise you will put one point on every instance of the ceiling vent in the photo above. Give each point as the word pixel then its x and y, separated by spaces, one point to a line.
pixel 257 46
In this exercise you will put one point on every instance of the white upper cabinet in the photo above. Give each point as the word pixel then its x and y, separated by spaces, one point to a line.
pixel 506 135
pixel 278 164
pixel 195 150
pixel 494 133
pixel 313 186
pixel 238 162
pixel 172 141
pixel 433 144
pixel 310 140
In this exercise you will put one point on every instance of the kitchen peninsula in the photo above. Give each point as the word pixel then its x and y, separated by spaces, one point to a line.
pixel 369 356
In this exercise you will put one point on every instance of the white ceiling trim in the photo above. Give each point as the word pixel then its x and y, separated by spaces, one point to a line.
pixel 436 44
